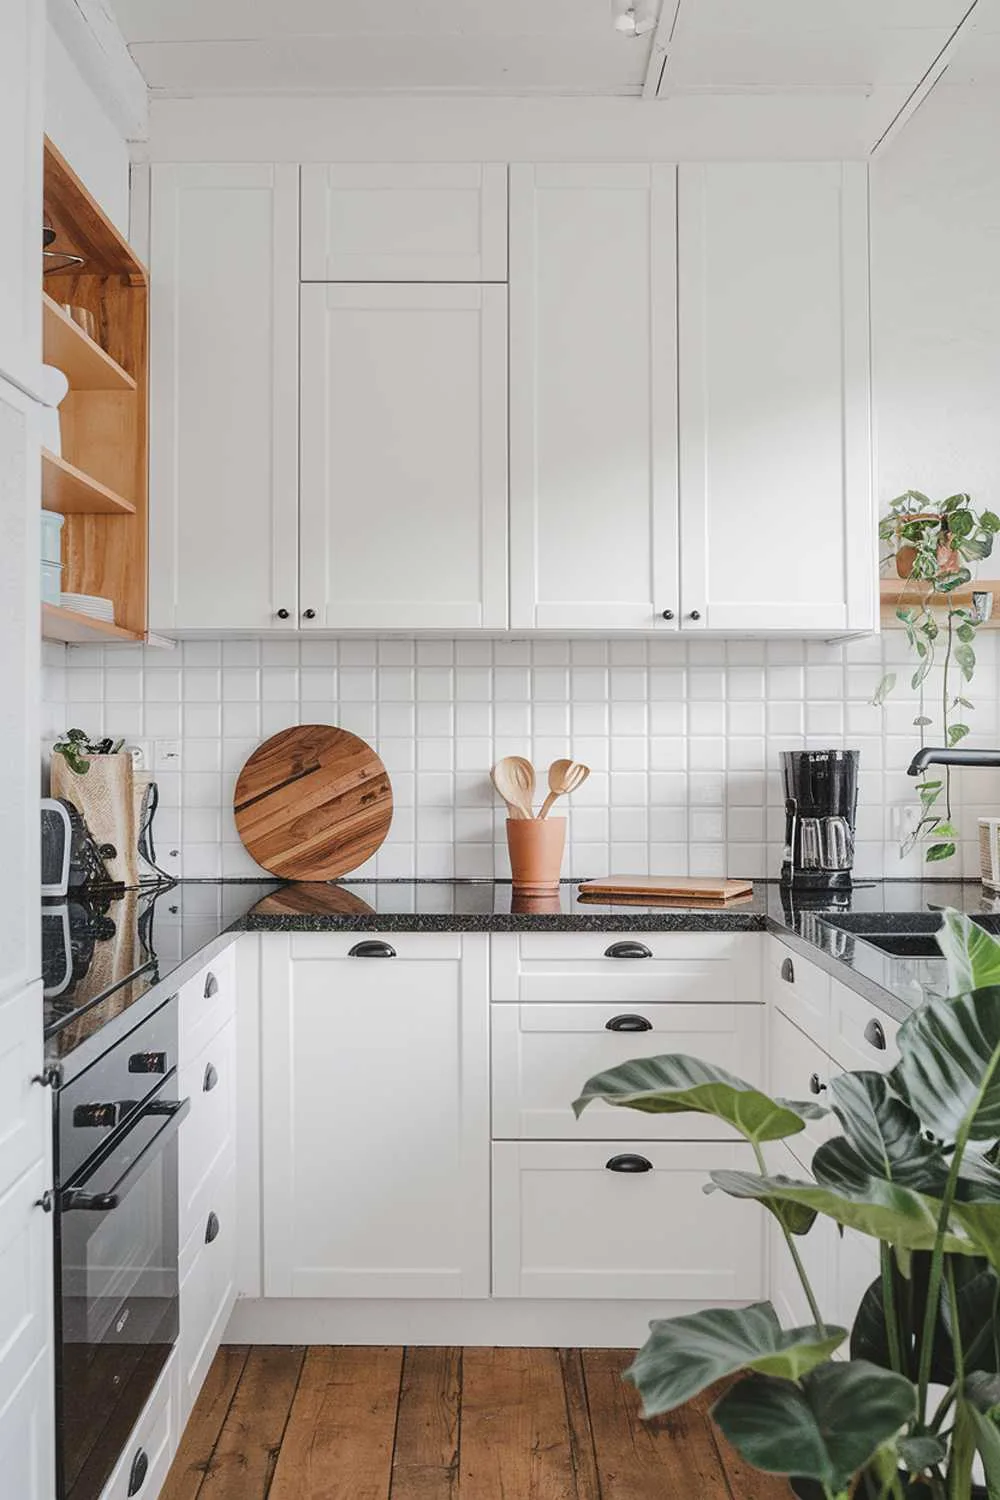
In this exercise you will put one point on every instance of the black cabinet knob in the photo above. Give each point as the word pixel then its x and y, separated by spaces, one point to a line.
pixel 46 1202
pixel 282 614
pixel 212 1228
pixel 628 1023
pixel 373 948
pixel 628 1162
pixel 816 1084
pixel 137 1473
pixel 788 971
pixel 211 1078
pixel 308 614
pixel 875 1035
pixel 668 614
pixel 695 614
pixel 627 950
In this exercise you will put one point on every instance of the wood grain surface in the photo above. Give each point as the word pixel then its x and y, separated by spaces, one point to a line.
pixel 666 887
pixel 313 803
pixel 342 1423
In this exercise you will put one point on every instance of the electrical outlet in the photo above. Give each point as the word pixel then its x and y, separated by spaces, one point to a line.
pixel 167 755
pixel 903 819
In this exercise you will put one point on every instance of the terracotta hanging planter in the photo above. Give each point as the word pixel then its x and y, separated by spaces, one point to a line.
pixel 906 552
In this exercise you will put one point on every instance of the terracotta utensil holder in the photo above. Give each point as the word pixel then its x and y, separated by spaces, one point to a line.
pixel 536 849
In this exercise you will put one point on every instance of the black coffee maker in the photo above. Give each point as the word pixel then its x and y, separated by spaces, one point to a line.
pixel 821 804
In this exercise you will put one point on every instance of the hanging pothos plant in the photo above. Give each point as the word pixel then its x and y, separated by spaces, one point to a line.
pixel 932 547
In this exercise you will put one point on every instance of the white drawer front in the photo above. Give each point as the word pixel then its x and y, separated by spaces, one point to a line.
pixel 543 1055
pixel 800 989
pixel 428 946
pixel 796 1062
pixel 564 1225
pixel 207 1133
pixel 695 968
pixel 208 1287
pixel 206 1003
pixel 861 1037
pixel 156 1435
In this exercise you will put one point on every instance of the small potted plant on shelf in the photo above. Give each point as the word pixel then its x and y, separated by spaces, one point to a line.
pixel 934 549
pixel 914 1402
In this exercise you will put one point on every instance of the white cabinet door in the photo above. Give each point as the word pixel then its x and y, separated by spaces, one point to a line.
pixel 404 457
pixel 27 1436
pixel 375 1117
pixel 22 37
pixel 816 1250
pixel 223 398
pixel 593 397
pixel 567 1222
pixel 381 221
pixel 777 525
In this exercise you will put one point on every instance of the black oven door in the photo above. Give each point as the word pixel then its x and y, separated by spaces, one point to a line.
pixel 117 1304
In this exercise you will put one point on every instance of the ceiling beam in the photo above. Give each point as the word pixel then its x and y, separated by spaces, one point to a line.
pixel 931 78
pixel 659 47
pixel 89 32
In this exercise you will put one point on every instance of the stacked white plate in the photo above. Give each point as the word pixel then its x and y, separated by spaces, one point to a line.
pixel 90 604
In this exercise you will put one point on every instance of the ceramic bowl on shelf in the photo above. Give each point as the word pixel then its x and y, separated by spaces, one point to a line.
pixel 90 604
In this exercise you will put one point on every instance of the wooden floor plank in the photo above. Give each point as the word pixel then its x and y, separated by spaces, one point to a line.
pixel 745 1482
pixel 243 1462
pixel 338 1444
pixel 515 1438
pixel 588 1485
pixel 425 1461
pixel 672 1456
pixel 205 1424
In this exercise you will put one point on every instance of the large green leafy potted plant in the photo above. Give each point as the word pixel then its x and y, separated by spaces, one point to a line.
pixel 915 1169
pixel 936 547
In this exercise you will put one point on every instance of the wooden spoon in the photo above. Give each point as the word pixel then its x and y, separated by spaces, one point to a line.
pixel 564 777
pixel 514 779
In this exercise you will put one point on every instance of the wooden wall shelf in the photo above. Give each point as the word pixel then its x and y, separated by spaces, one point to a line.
pixel 82 361
pixel 70 626
pixel 71 492
pixel 894 592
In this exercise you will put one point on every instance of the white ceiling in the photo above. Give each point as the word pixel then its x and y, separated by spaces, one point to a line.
pixel 531 46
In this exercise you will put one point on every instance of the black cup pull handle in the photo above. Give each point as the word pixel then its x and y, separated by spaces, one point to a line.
pixel 212 1228
pixel 875 1035
pixel 211 985
pixel 816 1084
pixel 211 1078
pixel 788 971
pixel 628 950
pixel 628 1023
pixel 137 1473
pixel 373 948
pixel 628 1162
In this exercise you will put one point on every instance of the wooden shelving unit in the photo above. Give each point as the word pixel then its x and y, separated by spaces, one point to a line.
pixel 71 492
pixel 69 625
pixel 894 592
pixel 100 482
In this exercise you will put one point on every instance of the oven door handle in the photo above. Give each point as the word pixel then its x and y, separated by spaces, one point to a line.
pixel 175 1110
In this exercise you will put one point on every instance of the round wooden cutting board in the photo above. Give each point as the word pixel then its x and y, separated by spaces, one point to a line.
pixel 312 803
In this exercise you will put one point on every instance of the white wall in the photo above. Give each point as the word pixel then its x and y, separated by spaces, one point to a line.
pixel 78 125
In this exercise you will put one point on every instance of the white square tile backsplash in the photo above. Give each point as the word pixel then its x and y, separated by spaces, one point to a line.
pixel 683 739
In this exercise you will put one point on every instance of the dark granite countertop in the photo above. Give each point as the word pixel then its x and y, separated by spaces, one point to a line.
pixel 104 953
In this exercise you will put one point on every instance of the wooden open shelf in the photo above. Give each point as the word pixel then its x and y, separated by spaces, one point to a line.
pixel 69 625
pixel 894 592
pixel 71 492
pixel 100 483
pixel 82 361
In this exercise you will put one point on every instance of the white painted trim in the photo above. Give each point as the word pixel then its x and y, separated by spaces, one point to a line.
pixel 656 71
pixel 89 32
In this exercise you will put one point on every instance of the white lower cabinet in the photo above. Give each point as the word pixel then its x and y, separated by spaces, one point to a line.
pixel 817 1251
pixel 375 1115
pixel 208 1284
pixel 152 1444
pixel 27 1435
pixel 622 1219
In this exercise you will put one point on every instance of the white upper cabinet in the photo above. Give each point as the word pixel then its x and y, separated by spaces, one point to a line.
pixel 408 222
pixel 22 35
pixel 404 457
pixel 224 397
pixel 593 438
pixel 776 509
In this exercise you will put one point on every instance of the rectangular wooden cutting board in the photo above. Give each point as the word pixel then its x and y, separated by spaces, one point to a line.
pixel 665 888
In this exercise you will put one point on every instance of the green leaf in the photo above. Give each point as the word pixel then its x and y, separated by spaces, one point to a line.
pixel 677 1084
pixel 883 690
pixel 827 1428
pixel 899 1215
pixel 966 659
pixel 683 1356
pixel 939 851
pixel 921 673
pixel 883 1137
pixel 986 1435
pixel 989 521
pixel 946 830
pixel 957 732
pixel 949 581
pixel 949 1066
pixel 921 720
pixel 973 955
pixel 922 1453
pixel 966 632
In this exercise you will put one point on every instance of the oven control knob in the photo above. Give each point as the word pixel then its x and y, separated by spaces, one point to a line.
pixel 96 1116
pixel 147 1062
